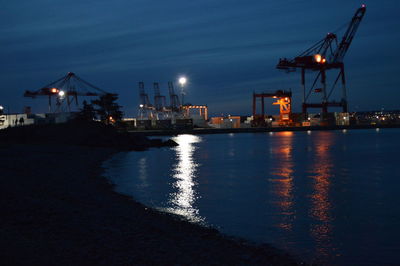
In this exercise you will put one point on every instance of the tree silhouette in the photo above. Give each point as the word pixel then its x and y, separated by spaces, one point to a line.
pixel 107 109
pixel 87 112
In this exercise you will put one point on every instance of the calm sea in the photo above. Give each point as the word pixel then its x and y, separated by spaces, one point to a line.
pixel 330 196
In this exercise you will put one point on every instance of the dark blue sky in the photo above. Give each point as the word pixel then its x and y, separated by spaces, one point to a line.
pixel 227 48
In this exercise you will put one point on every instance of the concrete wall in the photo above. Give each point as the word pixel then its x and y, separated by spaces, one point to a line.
pixel 14 120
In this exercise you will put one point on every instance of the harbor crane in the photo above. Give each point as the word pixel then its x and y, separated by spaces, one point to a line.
pixel 67 88
pixel 159 100
pixel 145 107
pixel 325 55
pixel 174 98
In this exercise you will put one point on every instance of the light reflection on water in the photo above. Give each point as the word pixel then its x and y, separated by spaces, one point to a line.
pixel 321 173
pixel 326 196
pixel 182 200
pixel 281 178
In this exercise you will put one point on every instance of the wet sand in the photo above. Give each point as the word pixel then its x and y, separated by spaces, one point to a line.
pixel 56 209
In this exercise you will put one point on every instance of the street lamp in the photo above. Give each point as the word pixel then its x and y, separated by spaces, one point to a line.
pixel 182 81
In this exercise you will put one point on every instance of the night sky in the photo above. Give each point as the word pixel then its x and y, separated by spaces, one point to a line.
pixel 226 48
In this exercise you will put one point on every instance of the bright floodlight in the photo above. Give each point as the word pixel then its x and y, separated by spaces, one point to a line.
pixel 1 107
pixel 318 58
pixel 61 93
pixel 182 81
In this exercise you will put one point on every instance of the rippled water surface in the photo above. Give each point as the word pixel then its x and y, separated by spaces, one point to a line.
pixel 328 196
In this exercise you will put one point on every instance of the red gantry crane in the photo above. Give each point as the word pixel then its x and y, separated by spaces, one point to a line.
pixel 325 55
pixel 67 88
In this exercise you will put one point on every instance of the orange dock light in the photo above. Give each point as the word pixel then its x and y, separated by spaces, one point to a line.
pixel 318 58
pixel 54 90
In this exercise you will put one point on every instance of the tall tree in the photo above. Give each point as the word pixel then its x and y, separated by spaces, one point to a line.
pixel 87 112
pixel 107 109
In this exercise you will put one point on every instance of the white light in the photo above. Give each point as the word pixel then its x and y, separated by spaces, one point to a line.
pixel 141 106
pixel 1 107
pixel 61 93
pixel 182 81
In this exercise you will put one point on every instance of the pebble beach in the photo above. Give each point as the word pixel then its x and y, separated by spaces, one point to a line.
pixel 57 209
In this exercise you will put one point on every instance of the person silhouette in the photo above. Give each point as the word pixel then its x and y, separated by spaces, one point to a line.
pixel 21 121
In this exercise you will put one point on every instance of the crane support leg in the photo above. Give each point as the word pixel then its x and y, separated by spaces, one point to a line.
pixel 324 100
pixel 262 108
pixel 49 103
pixel 303 83
pixel 254 105
pixel 344 99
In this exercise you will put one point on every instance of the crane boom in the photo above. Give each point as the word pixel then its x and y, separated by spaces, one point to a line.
pixel 349 35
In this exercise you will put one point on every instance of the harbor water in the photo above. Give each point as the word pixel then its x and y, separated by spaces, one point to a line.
pixel 330 197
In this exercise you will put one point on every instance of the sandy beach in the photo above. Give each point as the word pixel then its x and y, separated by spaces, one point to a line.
pixel 57 209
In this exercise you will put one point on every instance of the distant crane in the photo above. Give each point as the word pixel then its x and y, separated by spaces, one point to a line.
pixel 325 55
pixel 174 98
pixel 159 100
pixel 67 88
pixel 145 107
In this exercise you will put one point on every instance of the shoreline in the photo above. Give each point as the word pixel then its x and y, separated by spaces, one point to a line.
pixel 60 209
pixel 203 131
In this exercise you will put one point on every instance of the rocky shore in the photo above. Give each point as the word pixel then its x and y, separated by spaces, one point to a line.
pixel 56 209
